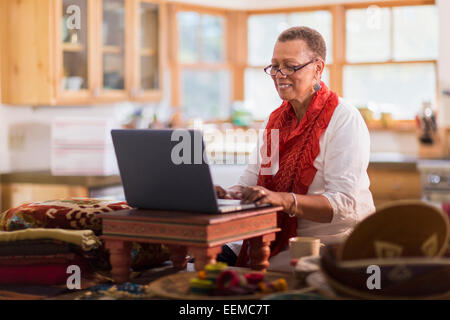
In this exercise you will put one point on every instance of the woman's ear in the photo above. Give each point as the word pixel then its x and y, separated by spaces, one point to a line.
pixel 320 66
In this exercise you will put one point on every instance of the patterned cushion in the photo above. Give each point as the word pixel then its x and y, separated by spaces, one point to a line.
pixel 80 213
pixel 74 213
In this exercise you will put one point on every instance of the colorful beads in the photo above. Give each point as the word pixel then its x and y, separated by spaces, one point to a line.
pixel 201 286
pixel 254 277
pixel 213 270
pixel 274 286
pixel 218 280
pixel 228 279
pixel 120 291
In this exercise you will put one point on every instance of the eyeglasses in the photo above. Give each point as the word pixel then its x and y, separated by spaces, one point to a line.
pixel 286 71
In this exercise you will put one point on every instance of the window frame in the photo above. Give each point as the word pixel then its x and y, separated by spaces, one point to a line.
pixel 289 11
pixel 400 124
pixel 176 66
pixel 236 54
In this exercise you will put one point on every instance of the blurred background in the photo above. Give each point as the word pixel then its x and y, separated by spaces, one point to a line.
pixel 72 70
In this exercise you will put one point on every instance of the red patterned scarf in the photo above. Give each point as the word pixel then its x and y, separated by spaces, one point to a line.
pixel 298 147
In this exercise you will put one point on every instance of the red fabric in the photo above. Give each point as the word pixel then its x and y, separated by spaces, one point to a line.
pixel 298 147
pixel 73 213
pixel 45 274
pixel 36 259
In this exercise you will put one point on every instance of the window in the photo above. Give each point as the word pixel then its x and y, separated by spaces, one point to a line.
pixel 384 57
pixel 391 58
pixel 204 76
pixel 263 29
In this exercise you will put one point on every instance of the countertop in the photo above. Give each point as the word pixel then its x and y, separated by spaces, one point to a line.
pixel 393 161
pixel 45 177
pixel 385 161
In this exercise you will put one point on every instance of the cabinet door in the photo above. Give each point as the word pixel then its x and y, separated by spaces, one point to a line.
pixel 113 62
pixel 74 29
pixel 147 53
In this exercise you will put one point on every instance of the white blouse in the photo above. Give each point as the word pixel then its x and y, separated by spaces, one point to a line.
pixel 341 176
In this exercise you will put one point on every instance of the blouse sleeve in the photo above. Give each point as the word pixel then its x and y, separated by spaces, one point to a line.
pixel 346 158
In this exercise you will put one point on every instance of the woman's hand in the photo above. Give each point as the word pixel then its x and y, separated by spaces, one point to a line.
pixel 222 193
pixel 261 195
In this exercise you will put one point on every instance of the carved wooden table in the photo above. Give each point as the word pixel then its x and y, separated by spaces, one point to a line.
pixel 197 234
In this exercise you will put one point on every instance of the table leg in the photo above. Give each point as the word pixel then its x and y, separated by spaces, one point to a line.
pixel 260 251
pixel 204 256
pixel 120 258
pixel 178 256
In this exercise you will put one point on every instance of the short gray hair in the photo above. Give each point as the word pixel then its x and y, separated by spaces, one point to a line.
pixel 313 39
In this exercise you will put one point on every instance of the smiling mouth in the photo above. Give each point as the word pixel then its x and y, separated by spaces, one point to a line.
pixel 284 85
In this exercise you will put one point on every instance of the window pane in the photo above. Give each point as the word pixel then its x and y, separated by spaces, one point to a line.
pixel 113 28
pixel 113 71
pixel 415 33
pixel 396 88
pixel 75 48
pixel 261 97
pixel 188 30
pixel 149 26
pixel 149 72
pixel 206 94
pixel 113 33
pixel 319 20
pixel 149 46
pixel 263 31
pixel 213 37
pixel 368 34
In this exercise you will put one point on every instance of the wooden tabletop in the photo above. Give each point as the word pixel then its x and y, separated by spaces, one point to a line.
pixel 191 218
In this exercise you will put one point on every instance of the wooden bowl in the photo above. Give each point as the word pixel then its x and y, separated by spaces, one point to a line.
pixel 400 278
pixel 405 228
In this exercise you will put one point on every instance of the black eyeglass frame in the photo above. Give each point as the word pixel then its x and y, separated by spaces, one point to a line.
pixel 295 69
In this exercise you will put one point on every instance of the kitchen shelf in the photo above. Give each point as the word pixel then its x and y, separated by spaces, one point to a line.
pixel 148 52
pixel 112 49
pixel 51 55
pixel 72 47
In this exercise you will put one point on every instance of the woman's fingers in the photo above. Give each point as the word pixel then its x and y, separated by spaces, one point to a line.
pixel 235 195
pixel 221 193
pixel 253 194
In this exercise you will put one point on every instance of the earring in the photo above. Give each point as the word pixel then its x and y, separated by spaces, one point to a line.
pixel 317 86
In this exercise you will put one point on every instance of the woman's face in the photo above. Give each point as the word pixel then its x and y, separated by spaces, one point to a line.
pixel 295 53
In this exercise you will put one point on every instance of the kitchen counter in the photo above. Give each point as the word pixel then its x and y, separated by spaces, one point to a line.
pixel 21 187
pixel 393 161
pixel 377 161
pixel 45 177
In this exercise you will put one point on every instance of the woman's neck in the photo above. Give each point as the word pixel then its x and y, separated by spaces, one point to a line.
pixel 301 105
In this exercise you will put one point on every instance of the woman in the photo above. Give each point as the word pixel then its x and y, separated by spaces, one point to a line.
pixel 323 154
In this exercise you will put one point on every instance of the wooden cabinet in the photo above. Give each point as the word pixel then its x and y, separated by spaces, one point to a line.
pixel 72 52
pixel 16 194
pixel 17 188
pixel 394 183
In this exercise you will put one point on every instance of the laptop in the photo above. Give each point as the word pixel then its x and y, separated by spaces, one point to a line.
pixel 168 170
